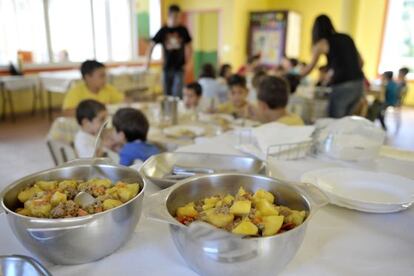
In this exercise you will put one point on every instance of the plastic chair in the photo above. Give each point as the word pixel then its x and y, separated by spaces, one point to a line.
pixel 60 140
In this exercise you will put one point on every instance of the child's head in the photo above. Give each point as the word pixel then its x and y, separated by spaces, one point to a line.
pixel 192 94
pixel 402 73
pixel 258 77
pixel 387 76
pixel 90 115
pixel 173 15
pixel 94 74
pixel 208 71
pixel 289 63
pixel 272 95
pixel 238 90
pixel 130 125
pixel 225 71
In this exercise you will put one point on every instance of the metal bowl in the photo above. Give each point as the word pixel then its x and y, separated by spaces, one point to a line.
pixel 80 239
pixel 211 251
pixel 158 169
pixel 19 265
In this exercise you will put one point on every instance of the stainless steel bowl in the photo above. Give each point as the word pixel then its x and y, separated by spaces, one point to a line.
pixel 211 251
pixel 18 265
pixel 81 239
pixel 159 167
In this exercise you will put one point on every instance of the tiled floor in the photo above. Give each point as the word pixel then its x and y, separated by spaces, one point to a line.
pixel 23 149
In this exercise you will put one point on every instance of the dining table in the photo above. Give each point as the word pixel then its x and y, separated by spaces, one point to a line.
pixel 338 241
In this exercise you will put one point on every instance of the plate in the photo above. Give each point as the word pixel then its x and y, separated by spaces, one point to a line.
pixel 183 131
pixel 366 191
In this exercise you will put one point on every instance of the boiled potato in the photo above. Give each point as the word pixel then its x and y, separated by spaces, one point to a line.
pixel 272 225
pixel 241 207
pixel 134 188
pixel 241 192
pixel 57 198
pixel 110 203
pixel 262 194
pixel 38 207
pixel 23 212
pixel 219 219
pixel 65 184
pixel 211 200
pixel 266 208
pixel 228 199
pixel 46 185
pixel 296 217
pixel 101 182
pixel 187 211
pixel 27 194
pixel 124 194
pixel 246 227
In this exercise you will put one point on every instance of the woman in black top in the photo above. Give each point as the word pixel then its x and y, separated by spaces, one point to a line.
pixel 345 66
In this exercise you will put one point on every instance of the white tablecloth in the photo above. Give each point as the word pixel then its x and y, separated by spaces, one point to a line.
pixel 338 241
pixel 15 83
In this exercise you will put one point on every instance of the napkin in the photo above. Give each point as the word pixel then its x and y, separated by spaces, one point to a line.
pixel 273 134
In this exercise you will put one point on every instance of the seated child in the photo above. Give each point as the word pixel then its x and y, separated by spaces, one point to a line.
pixel 402 79
pixel 238 106
pixel 90 115
pixel 193 97
pixel 272 99
pixel 131 128
pixel 93 86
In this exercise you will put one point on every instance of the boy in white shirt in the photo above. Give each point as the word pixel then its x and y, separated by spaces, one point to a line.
pixel 90 115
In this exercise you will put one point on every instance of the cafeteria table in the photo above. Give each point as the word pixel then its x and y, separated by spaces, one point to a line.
pixel 338 241
pixel 13 84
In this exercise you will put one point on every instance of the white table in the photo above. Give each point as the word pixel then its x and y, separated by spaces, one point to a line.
pixel 11 84
pixel 338 241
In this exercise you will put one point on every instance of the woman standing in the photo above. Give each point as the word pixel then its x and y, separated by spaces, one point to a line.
pixel 344 62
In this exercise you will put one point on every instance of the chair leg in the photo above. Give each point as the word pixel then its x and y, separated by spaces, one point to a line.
pixel 49 106
pixel 4 103
pixel 34 101
pixel 11 105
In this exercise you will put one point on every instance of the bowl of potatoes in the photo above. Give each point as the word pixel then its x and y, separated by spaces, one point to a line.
pixel 236 224
pixel 44 215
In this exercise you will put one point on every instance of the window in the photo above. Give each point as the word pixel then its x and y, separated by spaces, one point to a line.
pixel 22 28
pixel 398 41
pixel 72 30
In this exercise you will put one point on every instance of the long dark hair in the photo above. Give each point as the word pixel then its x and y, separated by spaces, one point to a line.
pixel 322 28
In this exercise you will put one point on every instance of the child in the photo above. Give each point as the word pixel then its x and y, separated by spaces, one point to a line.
pixel 93 86
pixel 90 115
pixel 402 77
pixel 238 105
pixel 391 96
pixel 272 99
pixel 193 97
pixel 212 89
pixel 131 128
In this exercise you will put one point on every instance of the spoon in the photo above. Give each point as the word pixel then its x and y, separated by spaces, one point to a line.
pixel 84 199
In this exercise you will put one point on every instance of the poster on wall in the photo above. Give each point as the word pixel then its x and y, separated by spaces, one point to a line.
pixel 268 35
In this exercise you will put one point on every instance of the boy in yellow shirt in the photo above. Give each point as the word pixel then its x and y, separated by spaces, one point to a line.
pixel 272 99
pixel 92 87
pixel 238 106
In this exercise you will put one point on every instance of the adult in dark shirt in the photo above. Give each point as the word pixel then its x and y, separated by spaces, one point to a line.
pixel 177 51
pixel 344 63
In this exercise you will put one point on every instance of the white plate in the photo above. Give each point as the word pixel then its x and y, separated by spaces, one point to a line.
pixel 365 191
pixel 184 131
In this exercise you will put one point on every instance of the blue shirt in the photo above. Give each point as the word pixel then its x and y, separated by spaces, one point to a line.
pixel 391 93
pixel 132 151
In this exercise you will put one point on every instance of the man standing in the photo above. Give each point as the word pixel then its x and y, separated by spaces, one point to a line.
pixel 177 51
